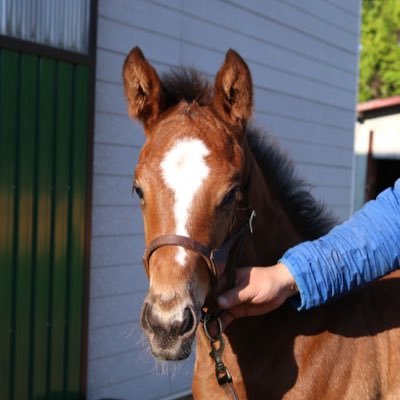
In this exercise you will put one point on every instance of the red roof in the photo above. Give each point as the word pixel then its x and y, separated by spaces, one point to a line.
pixel 378 104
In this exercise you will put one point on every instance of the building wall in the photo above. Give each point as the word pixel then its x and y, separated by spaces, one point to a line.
pixel 386 138
pixel 303 56
pixel 384 125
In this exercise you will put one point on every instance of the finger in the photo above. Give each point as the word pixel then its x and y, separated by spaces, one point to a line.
pixel 233 313
pixel 222 284
pixel 242 276
pixel 239 293
pixel 226 318
pixel 245 310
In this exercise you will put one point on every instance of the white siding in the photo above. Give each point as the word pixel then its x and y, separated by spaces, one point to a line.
pixel 303 56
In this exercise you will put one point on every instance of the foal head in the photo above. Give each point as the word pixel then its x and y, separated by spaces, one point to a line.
pixel 188 179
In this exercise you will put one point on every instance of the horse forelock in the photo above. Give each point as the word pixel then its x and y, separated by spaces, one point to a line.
pixel 186 84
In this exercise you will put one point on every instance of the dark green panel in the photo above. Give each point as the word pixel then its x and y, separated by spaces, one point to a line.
pixel 44 193
pixel 24 267
pixel 9 62
pixel 43 178
pixel 77 229
pixel 61 203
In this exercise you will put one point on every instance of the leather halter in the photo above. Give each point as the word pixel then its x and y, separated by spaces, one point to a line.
pixel 216 259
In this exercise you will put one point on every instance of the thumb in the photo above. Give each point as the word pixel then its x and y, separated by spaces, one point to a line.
pixel 232 298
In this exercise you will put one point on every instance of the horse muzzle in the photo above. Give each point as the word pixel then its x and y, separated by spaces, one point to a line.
pixel 170 334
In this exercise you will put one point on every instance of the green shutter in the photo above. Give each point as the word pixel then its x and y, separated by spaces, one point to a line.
pixel 43 180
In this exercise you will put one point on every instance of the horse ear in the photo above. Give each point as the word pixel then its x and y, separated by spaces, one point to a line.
pixel 233 89
pixel 143 88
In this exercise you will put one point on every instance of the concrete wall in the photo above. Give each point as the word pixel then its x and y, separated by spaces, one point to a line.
pixel 303 56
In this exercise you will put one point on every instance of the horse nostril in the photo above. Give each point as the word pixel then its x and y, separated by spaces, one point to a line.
pixel 188 321
pixel 147 320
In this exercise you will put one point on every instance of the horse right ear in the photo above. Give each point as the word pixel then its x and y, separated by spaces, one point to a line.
pixel 143 88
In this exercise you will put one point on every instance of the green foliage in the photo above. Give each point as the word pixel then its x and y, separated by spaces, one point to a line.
pixel 380 49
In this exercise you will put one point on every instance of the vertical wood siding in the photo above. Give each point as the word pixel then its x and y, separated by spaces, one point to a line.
pixel 43 147
pixel 303 56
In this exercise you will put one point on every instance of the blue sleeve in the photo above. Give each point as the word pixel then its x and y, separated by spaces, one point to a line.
pixel 362 249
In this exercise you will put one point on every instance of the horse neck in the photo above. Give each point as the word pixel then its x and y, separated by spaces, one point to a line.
pixel 273 232
pixel 272 235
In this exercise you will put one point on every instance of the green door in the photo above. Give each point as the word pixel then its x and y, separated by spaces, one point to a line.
pixel 43 181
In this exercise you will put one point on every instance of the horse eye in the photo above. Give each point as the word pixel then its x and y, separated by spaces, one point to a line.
pixel 138 192
pixel 230 197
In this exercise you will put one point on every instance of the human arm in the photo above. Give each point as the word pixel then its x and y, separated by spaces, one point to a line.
pixel 360 250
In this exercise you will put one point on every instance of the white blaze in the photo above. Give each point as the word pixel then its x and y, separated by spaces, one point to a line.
pixel 184 170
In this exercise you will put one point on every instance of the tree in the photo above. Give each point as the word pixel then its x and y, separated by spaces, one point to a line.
pixel 380 49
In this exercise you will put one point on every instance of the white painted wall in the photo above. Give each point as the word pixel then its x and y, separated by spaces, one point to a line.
pixel 386 138
pixel 303 56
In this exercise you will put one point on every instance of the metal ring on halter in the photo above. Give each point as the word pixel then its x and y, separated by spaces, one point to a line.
pixel 219 328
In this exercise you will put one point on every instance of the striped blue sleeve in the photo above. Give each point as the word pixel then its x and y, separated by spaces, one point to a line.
pixel 362 249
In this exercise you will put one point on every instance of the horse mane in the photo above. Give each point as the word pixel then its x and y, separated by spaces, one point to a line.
pixel 308 215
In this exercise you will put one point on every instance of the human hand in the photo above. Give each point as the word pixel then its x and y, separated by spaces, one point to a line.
pixel 258 291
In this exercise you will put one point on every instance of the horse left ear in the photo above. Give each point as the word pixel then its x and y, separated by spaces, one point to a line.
pixel 233 90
